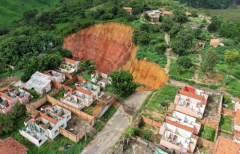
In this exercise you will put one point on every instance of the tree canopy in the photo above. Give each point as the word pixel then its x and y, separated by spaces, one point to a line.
pixel 122 82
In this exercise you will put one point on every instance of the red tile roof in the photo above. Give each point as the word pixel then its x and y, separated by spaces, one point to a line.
pixel 83 90
pixel 174 123
pixel 194 137
pixel 11 146
pixel 69 60
pixel 167 12
pixel 5 96
pixel 192 95
pixel 237 118
pixel 226 146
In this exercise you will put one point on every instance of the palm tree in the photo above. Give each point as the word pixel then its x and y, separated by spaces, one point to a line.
pixel 87 65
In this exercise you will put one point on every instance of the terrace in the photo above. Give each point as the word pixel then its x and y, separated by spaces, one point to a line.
pixel 69 65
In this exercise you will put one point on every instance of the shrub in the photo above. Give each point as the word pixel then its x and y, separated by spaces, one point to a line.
pixel 146 135
pixel 131 131
pixel 212 86
pixel 185 62
pixel 99 126
pixel 208 133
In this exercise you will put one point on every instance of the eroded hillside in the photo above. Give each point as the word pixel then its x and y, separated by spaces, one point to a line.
pixel 110 46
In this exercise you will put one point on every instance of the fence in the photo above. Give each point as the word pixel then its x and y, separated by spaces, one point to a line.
pixel 149 121
pixel 69 76
pixel 228 112
pixel 205 143
pixel 210 122
pixel 227 132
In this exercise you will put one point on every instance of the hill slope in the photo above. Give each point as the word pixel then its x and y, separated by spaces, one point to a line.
pixel 11 10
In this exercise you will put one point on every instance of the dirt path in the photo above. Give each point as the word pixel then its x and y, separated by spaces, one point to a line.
pixel 196 74
pixel 115 126
pixel 141 18
pixel 166 69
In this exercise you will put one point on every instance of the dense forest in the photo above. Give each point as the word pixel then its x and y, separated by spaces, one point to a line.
pixel 211 4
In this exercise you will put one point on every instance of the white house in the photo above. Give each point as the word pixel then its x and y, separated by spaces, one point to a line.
pixel 39 82
pixel 87 85
pixel 78 97
pixel 102 79
pixel 69 65
pixel 45 124
pixel 55 76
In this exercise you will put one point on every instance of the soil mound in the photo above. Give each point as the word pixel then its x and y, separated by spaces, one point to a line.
pixel 108 44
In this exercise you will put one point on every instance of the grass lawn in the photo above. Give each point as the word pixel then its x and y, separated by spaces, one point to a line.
pixel 164 95
pixel 195 20
pixel 231 14
pixel 194 57
pixel 55 147
pixel 184 73
pixel 231 83
pixel 86 76
pixel 224 68
pixel 225 123
pixel 11 10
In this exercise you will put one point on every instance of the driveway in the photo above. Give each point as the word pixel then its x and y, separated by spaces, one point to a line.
pixel 116 125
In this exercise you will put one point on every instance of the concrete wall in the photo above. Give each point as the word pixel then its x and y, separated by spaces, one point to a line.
pixel 188 111
pixel 171 146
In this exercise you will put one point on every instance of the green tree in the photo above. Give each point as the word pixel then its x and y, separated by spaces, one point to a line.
pixel 178 46
pixel 231 58
pixel 209 62
pixel 18 109
pixel 137 9
pixel 167 24
pixel 174 30
pixel 146 16
pixel 140 37
pixel 208 133
pixel 2 64
pixel 160 48
pixel 185 62
pixel 122 82
pixel 7 122
pixel 87 65
pixel 180 16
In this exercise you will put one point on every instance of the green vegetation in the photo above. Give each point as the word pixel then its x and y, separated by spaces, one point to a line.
pixel 89 111
pixel 99 126
pixel 122 82
pixel 87 65
pixel 13 10
pixel 177 70
pixel 60 95
pixel 208 133
pixel 86 76
pixel 229 104
pixel 109 88
pixel 146 134
pixel 131 131
pixel 164 95
pixel 227 14
pixel 193 57
pixel 231 84
pixel 225 123
pixel 55 147
pixel 108 114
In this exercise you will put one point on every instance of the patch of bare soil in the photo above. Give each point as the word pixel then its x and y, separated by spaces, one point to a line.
pixel 96 110
pixel 116 105
pixel 213 80
pixel 153 115
pixel 130 110
pixel 4 83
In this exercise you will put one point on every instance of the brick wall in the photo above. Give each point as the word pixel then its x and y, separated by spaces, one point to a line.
pixel 56 85
pixel 79 113
pixel 210 122
pixel 227 132
pixel 216 135
pixel 100 102
pixel 71 81
pixel 69 135
pixel 38 103
pixel 69 76
pixel 149 121
pixel 228 112
pixel 205 143
pixel 31 110
pixel 112 101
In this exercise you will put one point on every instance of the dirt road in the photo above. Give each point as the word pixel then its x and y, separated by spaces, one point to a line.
pixel 116 125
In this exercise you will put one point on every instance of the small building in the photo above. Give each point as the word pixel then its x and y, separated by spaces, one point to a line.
pixel 191 101
pixel 178 134
pixel 69 65
pixel 129 9
pixel 9 97
pixel 153 14
pixel 100 78
pixel 87 85
pixel 55 76
pixel 45 124
pixel 167 13
pixel 78 97
pixel 188 14
pixel 226 146
pixel 40 82
pixel 214 42
pixel 11 146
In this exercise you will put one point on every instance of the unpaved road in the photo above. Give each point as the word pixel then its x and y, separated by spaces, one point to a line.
pixel 115 126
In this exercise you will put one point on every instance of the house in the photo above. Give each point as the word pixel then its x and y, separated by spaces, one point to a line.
pixel 100 78
pixel 178 133
pixel 55 76
pixel 69 65
pixel 40 82
pixel 191 101
pixel 11 146
pixel 154 14
pixel 45 124
pixel 214 42
pixel 129 9
pixel 167 13
pixel 78 97
pixel 9 97
pixel 87 85
pixel 226 146
pixel 188 14
pixel 237 127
